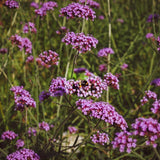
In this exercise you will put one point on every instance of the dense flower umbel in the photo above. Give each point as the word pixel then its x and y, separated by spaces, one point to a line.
pixel 123 141
pixel 103 111
pixel 44 126
pixel 149 35
pixel 19 143
pixel 156 82
pixel 92 86
pixel 57 87
pixel 29 27
pixel 32 131
pixel 22 43
pixel 148 95
pixel 8 135
pixel 48 59
pixel 46 7
pixel 100 138
pixel 124 66
pixel 111 80
pixel 23 154
pixel 148 128
pixel 156 107
pixel 102 67
pixel 105 52
pixel 30 59
pixel 12 4
pixel 72 129
pixel 80 42
pixel 22 98
pixel 90 3
pixel 77 10
pixel 35 5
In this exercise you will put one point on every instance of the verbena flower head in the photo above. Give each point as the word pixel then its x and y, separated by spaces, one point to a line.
pixel 149 35
pixel 3 50
pixel 100 138
pixel 72 129
pixel 156 107
pixel 105 51
pixel 22 98
pixel 44 95
pixel 23 154
pixel 22 43
pixel 32 131
pixel 9 135
pixel 124 141
pixel 12 4
pixel 29 27
pixel 156 82
pixel 19 143
pixel 90 3
pixel 120 20
pixel 148 95
pixel 34 5
pixel 111 80
pixel 102 67
pixel 46 7
pixel 148 128
pixel 44 126
pixel 48 59
pixel 124 66
pixel 74 10
pixel 103 111
pixel 92 86
pixel 79 70
pixel 152 17
pixel 101 17
pixel 30 59
pixel 80 42
pixel 57 87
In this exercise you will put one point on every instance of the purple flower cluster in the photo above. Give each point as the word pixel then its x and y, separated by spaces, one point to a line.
pixel 124 66
pixel 124 141
pixel 72 129
pixel 34 5
pixel 30 59
pixel 149 35
pixel 101 17
pixel 103 111
pixel 9 135
pixel 156 82
pixel 156 107
pixel 46 7
pixel 148 95
pixel 148 128
pixel 153 16
pixel 111 80
pixel 92 86
pixel 90 3
pixel 47 59
pixel 23 154
pixel 120 20
pixel 105 52
pixel 22 98
pixel 57 87
pixel 12 4
pixel 158 43
pixel 44 95
pixel 29 27
pixel 3 50
pixel 77 10
pixel 32 131
pixel 102 67
pixel 22 43
pixel 19 143
pixel 80 42
pixel 44 126
pixel 62 30
pixel 100 138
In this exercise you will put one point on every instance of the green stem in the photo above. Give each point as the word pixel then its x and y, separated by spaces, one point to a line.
pixel 157 154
